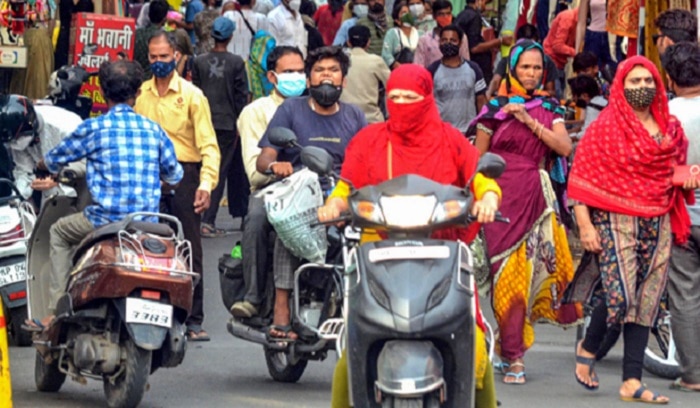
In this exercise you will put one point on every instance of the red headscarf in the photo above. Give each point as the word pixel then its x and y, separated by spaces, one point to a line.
pixel 421 143
pixel 619 167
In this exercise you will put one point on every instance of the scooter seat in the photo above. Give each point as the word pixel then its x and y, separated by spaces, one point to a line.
pixel 111 230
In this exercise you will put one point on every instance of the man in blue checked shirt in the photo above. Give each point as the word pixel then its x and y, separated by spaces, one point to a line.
pixel 126 155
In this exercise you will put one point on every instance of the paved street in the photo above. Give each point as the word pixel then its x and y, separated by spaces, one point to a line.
pixel 228 372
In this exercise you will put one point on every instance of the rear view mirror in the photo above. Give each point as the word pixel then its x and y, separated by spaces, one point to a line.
pixel 491 165
pixel 282 137
pixel 317 160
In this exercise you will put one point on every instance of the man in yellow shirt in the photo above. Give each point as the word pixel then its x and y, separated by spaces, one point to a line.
pixel 182 110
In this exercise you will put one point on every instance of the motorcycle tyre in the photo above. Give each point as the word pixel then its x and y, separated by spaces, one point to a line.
pixel 47 377
pixel 287 373
pixel 428 401
pixel 128 389
pixel 663 369
pixel 21 338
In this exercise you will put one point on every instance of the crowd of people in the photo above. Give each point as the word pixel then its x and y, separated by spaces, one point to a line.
pixel 413 87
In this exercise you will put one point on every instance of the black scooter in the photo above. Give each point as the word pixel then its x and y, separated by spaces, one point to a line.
pixel 410 301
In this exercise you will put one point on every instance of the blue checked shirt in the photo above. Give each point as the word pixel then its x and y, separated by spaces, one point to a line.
pixel 126 155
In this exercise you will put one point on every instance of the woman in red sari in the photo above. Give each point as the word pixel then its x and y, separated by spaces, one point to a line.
pixel 627 211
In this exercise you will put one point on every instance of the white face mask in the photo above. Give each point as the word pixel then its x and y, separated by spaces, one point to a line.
pixel 21 143
pixel 295 4
pixel 417 10
pixel 360 10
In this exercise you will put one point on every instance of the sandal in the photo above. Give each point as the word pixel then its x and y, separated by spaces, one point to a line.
pixel 637 397
pixel 502 367
pixel 210 231
pixel 590 362
pixel 679 386
pixel 200 335
pixel 285 330
pixel 518 378
pixel 37 326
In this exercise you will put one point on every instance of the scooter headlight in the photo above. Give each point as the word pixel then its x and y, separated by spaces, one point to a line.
pixel 408 211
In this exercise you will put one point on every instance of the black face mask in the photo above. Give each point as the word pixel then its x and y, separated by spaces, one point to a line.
pixel 640 98
pixel 377 8
pixel 449 50
pixel 326 94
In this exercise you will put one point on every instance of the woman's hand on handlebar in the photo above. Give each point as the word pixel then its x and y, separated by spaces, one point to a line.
pixel 485 209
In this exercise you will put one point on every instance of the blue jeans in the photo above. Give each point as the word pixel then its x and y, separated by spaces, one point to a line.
pixel 597 43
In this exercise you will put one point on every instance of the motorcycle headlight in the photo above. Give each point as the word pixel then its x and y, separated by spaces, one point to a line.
pixel 448 210
pixel 408 211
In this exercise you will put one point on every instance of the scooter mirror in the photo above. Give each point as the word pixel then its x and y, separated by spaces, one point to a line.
pixel 491 165
pixel 282 137
pixel 317 160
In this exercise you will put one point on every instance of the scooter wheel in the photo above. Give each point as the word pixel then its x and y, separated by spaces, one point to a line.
pixel 47 377
pixel 280 368
pixel 129 387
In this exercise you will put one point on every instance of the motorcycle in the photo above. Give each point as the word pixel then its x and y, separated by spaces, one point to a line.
pixel 315 308
pixel 410 300
pixel 17 220
pixel 122 316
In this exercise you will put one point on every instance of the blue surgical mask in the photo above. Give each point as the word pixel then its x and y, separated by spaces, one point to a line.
pixel 162 69
pixel 291 84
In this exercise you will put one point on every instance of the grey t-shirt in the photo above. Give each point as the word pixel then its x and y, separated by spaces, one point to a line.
pixel 329 132
pixel 687 110
pixel 456 90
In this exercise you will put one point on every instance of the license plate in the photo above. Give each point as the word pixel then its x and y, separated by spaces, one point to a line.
pixel 147 312
pixel 13 273
pixel 408 252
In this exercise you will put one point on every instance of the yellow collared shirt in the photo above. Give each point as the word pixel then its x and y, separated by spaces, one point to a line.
pixel 183 112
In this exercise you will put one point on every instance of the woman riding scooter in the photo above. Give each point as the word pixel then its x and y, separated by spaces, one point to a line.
pixel 414 140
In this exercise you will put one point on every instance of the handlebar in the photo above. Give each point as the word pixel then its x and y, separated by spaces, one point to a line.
pixel 12 185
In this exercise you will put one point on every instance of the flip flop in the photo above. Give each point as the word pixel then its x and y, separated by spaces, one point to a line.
pixel 282 329
pixel 502 367
pixel 197 336
pixel 679 386
pixel 519 378
pixel 637 397
pixel 590 362
pixel 33 326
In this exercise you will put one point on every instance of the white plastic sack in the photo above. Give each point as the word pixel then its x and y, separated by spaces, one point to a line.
pixel 291 206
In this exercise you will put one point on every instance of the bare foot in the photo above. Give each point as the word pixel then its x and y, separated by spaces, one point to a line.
pixel 630 387
pixel 584 372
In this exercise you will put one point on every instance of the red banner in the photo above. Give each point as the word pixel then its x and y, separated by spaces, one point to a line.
pixel 97 38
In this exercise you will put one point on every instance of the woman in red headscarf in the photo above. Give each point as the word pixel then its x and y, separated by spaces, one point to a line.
pixel 627 211
pixel 414 140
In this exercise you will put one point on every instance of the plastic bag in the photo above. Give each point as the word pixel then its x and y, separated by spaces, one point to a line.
pixel 291 206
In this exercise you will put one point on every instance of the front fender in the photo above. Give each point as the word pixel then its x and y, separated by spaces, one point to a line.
pixel 408 368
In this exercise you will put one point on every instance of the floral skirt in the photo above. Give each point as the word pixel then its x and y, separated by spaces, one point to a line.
pixel 633 265
pixel 529 285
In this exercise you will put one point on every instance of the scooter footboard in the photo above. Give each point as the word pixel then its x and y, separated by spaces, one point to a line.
pixel 409 369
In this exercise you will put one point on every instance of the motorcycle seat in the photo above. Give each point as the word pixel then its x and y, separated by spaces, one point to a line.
pixel 111 230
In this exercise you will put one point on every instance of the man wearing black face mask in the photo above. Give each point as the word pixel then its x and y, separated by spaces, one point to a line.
pixel 460 87
pixel 318 120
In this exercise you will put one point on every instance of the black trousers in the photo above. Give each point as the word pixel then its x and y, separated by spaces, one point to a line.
pixel 231 173
pixel 180 203
pixel 255 244
pixel 635 338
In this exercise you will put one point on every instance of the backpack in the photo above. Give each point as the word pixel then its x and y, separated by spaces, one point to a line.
pixel 261 45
